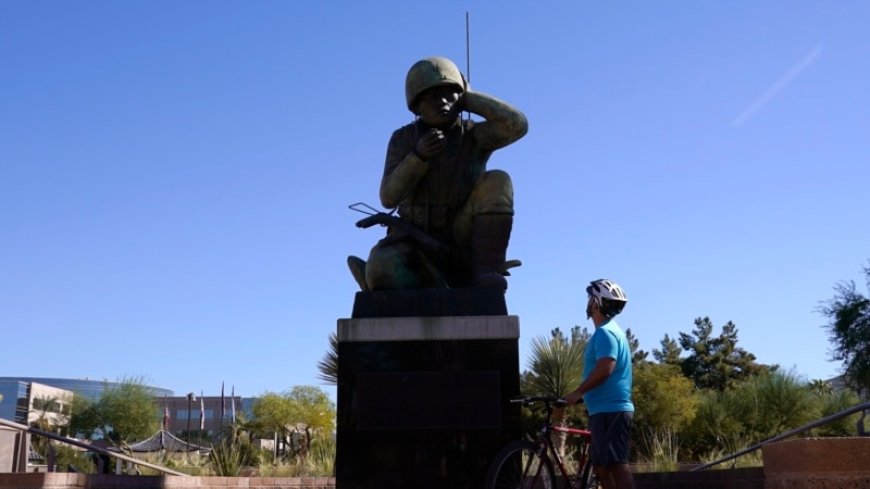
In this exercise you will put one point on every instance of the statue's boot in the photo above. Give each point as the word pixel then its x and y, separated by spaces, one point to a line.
pixel 358 270
pixel 490 234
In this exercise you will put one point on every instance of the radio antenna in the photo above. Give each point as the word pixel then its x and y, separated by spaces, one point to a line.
pixel 467 56
pixel 467 48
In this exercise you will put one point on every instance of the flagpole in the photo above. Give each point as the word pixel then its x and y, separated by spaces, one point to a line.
pixel 190 399
pixel 233 404
pixel 221 430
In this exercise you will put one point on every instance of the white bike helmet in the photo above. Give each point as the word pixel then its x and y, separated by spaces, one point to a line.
pixel 608 295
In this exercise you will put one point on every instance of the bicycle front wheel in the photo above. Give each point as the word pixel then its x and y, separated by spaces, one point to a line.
pixel 521 465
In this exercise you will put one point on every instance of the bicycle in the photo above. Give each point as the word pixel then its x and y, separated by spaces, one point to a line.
pixel 524 464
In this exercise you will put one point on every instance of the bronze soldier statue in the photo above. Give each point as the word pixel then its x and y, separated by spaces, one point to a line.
pixel 455 217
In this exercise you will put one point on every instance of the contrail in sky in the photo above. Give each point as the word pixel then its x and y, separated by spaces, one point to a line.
pixel 777 87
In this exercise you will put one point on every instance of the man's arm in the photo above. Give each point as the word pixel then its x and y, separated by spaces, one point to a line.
pixel 402 170
pixel 603 368
pixel 504 123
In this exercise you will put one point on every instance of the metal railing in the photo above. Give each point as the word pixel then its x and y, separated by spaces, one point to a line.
pixel 842 414
pixel 77 443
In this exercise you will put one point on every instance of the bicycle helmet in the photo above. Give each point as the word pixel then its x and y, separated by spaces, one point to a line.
pixel 608 295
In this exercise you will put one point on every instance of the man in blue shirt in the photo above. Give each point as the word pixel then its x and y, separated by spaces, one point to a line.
pixel 606 386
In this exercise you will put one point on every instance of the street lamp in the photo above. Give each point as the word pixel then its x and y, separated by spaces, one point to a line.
pixel 190 399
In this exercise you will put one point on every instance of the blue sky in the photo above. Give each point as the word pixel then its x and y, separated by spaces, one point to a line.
pixel 174 176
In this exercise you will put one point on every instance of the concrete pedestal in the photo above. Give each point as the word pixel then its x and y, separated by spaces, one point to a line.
pixel 423 401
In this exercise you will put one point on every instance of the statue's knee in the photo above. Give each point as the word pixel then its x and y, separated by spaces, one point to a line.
pixel 498 178
pixel 494 194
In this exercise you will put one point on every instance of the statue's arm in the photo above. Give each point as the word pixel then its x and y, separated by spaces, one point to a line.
pixel 402 171
pixel 504 123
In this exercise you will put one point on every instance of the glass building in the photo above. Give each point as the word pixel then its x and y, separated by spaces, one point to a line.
pixel 90 389
pixel 14 404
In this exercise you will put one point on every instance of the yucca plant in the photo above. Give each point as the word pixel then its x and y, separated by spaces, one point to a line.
pixel 228 458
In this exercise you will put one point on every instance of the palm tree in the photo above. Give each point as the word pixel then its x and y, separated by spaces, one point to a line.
pixel 556 365
pixel 328 366
pixel 42 406
pixel 820 388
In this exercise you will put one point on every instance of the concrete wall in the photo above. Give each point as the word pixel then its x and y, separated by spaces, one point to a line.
pixel 744 478
pixel 752 478
pixel 81 481
pixel 7 449
pixel 12 450
pixel 818 463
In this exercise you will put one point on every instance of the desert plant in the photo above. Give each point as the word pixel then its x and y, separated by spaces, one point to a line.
pixel 227 458
pixel 662 450
pixel 322 456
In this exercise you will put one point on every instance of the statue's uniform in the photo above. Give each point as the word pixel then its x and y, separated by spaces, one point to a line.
pixel 442 197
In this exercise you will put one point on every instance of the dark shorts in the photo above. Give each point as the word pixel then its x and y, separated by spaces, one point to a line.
pixel 610 433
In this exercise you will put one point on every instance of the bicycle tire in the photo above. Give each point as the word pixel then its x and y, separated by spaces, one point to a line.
pixel 588 478
pixel 518 458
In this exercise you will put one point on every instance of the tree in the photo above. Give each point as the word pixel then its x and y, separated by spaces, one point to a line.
pixel 556 364
pixel 848 313
pixel 311 407
pixel 716 362
pixel 304 410
pixel 84 419
pixel 272 414
pixel 124 412
pixel 328 366
pixel 127 411
pixel 665 401
pixel 670 352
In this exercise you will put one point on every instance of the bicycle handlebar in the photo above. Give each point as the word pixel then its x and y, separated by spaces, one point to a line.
pixel 558 402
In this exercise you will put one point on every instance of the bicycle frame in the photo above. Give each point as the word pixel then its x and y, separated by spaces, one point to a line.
pixel 583 456
pixel 544 442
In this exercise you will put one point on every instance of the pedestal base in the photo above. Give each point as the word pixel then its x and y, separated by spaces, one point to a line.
pixel 423 402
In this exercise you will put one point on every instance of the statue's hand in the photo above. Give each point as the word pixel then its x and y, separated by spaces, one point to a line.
pixel 430 144
pixel 458 107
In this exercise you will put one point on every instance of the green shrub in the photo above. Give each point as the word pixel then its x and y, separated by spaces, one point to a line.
pixel 68 459
pixel 833 403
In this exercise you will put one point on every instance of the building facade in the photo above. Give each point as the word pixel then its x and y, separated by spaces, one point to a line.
pixel 32 403
pixel 205 414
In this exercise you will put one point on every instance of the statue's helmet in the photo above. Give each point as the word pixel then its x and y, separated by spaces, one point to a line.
pixel 428 73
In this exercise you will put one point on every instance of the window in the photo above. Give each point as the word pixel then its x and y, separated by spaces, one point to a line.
pixel 193 414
